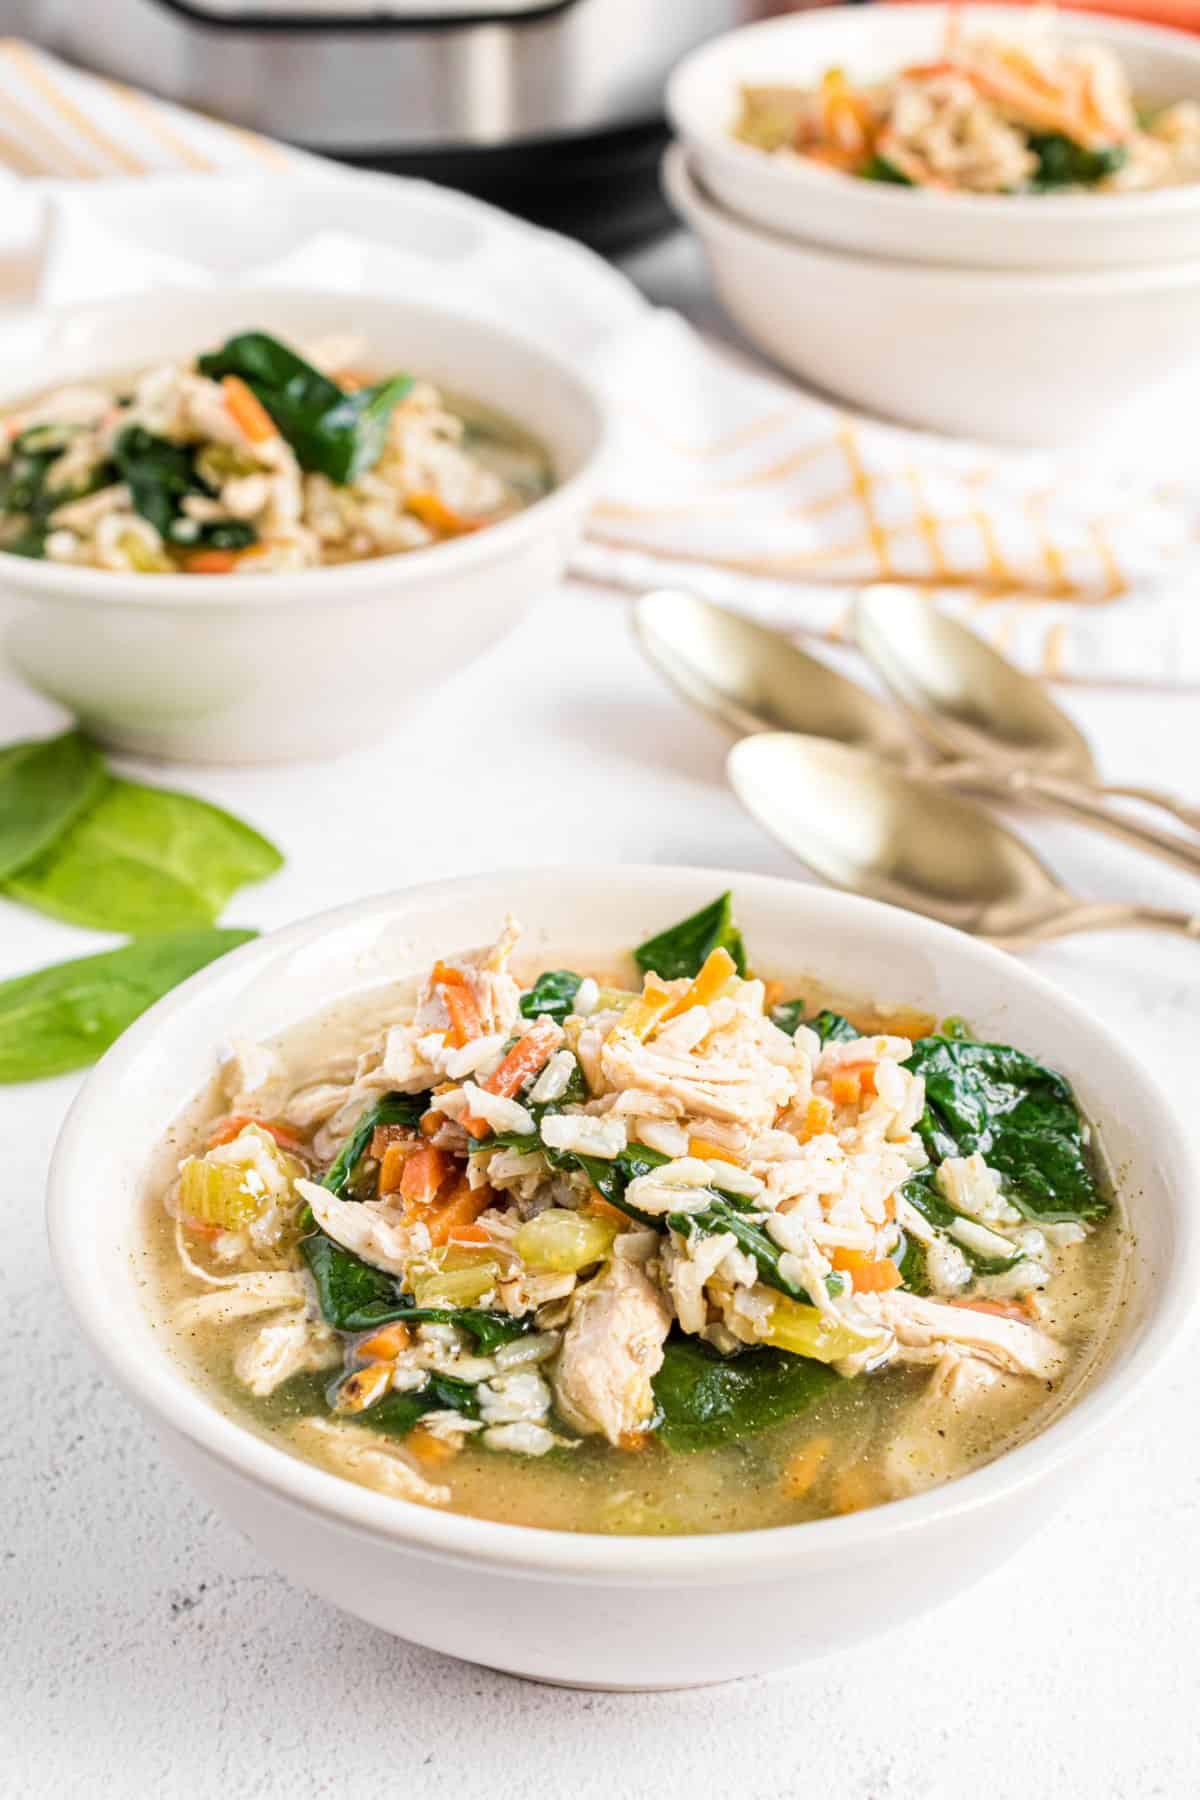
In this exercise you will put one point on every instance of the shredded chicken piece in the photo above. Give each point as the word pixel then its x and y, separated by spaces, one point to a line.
pixel 378 1233
pixel 365 1457
pixel 611 1351
pixel 923 1324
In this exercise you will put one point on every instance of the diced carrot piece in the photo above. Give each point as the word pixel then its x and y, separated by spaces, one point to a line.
pixel 392 1165
pixel 600 1206
pixel 1003 1309
pixel 649 1009
pixel 237 1123
pixel 247 410
pixel 773 992
pixel 385 1135
pixel 211 562
pixel 845 1260
pixel 363 1388
pixel 460 1206
pixel 818 1118
pixel 846 1086
pixel 633 1440
pixel 429 1445
pixel 470 1234
pixel 867 1079
pixel 423 1174
pixel 431 1124
pixel 801 1470
pixel 432 510
pixel 386 1344
pixel 709 1152
pixel 876 1277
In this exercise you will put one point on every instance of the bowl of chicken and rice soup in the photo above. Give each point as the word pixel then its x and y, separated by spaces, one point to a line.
pixel 213 503
pixel 516 1256
pixel 966 136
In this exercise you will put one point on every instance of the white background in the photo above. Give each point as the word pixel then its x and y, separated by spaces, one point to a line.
pixel 148 1651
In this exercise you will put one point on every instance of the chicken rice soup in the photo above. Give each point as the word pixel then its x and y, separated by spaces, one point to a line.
pixel 254 458
pixel 1020 113
pixel 654 1253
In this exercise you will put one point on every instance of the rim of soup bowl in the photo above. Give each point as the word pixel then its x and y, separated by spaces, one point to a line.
pixel 326 583
pixel 166 1392
pixel 718 60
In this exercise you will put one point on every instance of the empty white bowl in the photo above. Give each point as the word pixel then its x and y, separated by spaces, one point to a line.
pixel 253 668
pixel 798 198
pixel 575 1607
pixel 996 354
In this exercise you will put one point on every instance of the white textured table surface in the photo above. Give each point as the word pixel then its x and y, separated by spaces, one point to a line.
pixel 148 1650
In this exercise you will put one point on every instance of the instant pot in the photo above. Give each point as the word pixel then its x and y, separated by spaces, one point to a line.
pixel 552 108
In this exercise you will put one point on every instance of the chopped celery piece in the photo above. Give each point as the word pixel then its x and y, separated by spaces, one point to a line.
pixel 562 1242
pixel 456 1276
pixel 236 1183
pixel 806 1332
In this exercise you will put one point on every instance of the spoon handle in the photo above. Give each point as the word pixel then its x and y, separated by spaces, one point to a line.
pixel 1149 796
pixel 1103 915
pixel 1075 800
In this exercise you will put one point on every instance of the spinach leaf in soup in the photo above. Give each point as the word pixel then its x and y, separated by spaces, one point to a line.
pixel 389 1109
pixel 63 1017
pixel 681 949
pixel 1063 163
pixel 922 1193
pixel 144 859
pixel 552 995
pixel 159 474
pixel 396 1414
pixel 706 1400
pixel 45 783
pixel 1019 1115
pixel 335 433
pixel 830 1027
pixel 354 1296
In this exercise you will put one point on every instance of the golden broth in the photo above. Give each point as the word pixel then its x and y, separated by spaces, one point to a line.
pixel 869 1440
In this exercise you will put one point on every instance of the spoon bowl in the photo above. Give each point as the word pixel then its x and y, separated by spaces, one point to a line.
pixel 959 692
pixel 862 824
pixel 752 678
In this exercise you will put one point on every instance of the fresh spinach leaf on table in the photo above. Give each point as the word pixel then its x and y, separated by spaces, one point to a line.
pixel 337 434
pixel 45 783
pixel 1019 1115
pixel 682 948
pixel 65 1016
pixel 705 1400
pixel 144 859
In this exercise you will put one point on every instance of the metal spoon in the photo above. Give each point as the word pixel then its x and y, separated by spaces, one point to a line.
pixel 970 702
pixel 862 824
pixel 752 678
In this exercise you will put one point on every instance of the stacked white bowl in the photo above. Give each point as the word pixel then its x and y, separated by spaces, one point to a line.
pixel 1018 318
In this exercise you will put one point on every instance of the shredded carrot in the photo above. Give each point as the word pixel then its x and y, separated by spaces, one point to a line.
pixel 466 1021
pixel 527 1056
pixel 470 1234
pixel 432 510
pixel 237 1123
pixel 710 1152
pixel 801 1470
pixel 846 1086
pixel 386 1344
pixel 423 1174
pixel 392 1165
pixel 718 967
pixel 876 1277
pixel 447 1215
pixel 429 1446
pixel 1003 1309
pixel 211 562
pixel 247 410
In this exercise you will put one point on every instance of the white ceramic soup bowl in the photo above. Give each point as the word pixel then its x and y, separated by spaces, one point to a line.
pixel 252 668
pixel 578 1608
pixel 999 354
pixel 798 198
